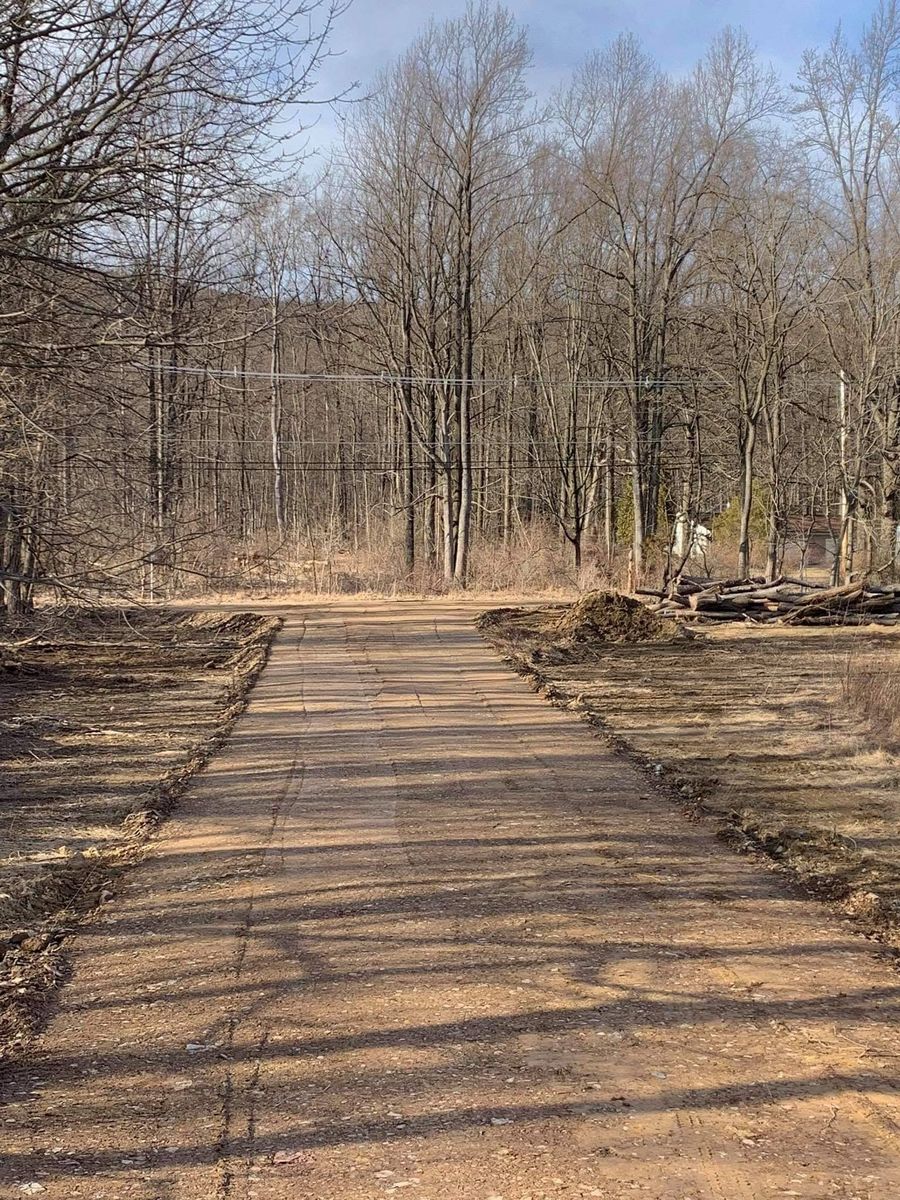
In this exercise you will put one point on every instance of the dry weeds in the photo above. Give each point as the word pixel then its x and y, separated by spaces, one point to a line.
pixel 104 717
pixel 870 684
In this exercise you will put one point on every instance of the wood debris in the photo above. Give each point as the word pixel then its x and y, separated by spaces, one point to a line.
pixel 784 600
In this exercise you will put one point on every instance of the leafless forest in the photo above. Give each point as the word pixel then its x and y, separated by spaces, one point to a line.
pixel 495 331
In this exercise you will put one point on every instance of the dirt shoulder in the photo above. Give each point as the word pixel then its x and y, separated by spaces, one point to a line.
pixel 104 717
pixel 746 724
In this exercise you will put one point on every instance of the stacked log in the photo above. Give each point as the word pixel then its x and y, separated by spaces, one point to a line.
pixel 784 600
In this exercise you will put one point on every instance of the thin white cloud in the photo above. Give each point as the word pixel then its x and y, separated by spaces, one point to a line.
pixel 373 32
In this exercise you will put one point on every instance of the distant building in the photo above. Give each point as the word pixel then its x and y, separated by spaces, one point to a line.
pixel 687 532
pixel 811 541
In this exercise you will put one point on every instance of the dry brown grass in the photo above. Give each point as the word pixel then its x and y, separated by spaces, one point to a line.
pixel 870 684
pixel 534 560
pixel 100 716
pixel 788 736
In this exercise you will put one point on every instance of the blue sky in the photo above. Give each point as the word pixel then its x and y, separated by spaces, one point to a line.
pixel 372 32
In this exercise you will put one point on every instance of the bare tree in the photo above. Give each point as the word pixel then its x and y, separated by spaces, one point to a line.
pixel 110 109
pixel 848 114
pixel 651 153
pixel 438 164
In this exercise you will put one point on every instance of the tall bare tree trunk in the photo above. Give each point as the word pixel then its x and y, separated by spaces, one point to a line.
pixel 275 424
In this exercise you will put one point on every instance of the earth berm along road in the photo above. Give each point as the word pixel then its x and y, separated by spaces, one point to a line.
pixel 415 932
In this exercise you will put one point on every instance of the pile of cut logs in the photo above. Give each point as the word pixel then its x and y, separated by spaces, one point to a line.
pixel 785 600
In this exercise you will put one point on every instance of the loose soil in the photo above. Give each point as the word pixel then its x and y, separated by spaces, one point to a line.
pixel 104 716
pixel 416 931
pixel 606 617
pixel 749 725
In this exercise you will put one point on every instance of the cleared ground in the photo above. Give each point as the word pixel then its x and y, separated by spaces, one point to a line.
pixel 103 716
pixel 416 931
pixel 754 724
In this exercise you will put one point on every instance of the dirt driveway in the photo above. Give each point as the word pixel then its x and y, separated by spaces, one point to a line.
pixel 416 932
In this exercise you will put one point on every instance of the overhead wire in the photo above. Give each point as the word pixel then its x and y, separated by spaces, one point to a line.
pixel 387 378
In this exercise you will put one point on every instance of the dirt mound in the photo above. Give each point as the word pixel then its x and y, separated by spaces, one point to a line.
pixel 608 617
pixel 497 616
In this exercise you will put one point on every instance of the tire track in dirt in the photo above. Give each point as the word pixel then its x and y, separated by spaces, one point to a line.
pixel 282 808
pixel 237 1165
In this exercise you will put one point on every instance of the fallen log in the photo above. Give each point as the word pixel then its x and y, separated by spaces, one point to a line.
pixel 878 603
pixel 851 618
pixel 804 583
pixel 751 588
pixel 685 587
pixel 687 614
pixel 824 603
pixel 884 589
pixel 784 599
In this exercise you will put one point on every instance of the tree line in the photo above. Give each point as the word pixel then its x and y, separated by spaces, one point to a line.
pixel 644 307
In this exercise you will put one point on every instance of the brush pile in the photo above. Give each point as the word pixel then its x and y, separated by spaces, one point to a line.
pixel 785 600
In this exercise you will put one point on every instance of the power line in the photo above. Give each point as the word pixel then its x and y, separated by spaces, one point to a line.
pixel 385 378
pixel 334 468
pixel 104 441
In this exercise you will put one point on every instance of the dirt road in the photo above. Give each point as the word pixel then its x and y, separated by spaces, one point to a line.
pixel 416 932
